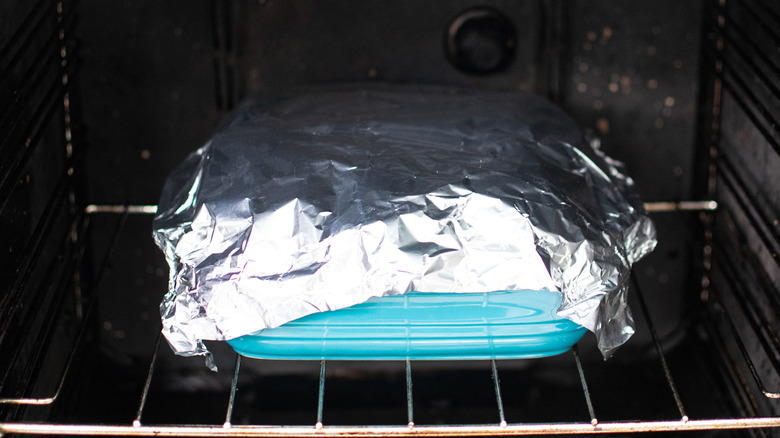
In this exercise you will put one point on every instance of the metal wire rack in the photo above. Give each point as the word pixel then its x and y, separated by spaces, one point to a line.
pixel 501 426
pixel 743 339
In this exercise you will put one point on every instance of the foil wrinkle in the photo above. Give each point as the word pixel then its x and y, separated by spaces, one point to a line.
pixel 313 201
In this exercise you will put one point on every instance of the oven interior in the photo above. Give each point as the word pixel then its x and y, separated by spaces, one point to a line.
pixel 100 100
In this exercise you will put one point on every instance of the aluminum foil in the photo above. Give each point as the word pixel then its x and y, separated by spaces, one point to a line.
pixel 318 200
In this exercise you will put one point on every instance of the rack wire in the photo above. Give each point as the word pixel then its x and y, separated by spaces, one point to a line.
pixel 320 427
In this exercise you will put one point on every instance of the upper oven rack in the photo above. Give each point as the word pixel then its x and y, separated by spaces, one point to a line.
pixel 501 426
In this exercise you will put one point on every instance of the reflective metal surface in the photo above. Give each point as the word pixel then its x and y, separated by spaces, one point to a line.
pixel 319 200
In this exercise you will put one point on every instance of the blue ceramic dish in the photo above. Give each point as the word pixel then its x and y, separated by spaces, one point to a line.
pixel 424 326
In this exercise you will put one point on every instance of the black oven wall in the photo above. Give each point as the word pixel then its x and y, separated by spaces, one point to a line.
pixel 741 143
pixel 41 177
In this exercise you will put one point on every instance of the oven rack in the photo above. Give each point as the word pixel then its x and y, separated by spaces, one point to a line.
pixel 730 338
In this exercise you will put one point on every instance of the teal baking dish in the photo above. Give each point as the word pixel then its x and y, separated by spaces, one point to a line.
pixel 424 326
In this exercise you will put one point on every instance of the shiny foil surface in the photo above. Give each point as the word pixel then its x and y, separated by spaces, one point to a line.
pixel 321 199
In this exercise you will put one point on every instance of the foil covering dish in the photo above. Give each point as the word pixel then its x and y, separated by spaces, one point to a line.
pixel 320 199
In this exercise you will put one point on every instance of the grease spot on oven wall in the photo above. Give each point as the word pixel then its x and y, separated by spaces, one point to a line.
pixel 602 125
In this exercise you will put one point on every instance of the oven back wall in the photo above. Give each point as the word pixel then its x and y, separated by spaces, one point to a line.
pixel 157 78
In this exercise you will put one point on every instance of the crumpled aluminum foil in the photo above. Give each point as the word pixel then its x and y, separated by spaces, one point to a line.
pixel 318 200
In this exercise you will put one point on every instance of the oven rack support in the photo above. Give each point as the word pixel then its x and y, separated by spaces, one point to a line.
pixel 651 207
pixel 411 429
